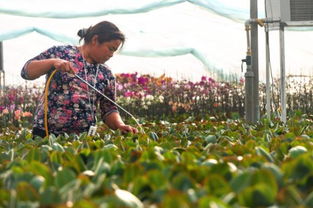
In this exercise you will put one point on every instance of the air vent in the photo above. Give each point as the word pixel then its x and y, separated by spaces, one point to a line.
pixel 301 10
pixel 292 12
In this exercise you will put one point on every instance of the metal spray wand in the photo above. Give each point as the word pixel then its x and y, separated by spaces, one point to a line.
pixel 111 101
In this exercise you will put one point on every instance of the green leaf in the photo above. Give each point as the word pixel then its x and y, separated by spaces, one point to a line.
pixel 128 199
pixel 290 196
pixel 299 168
pixel 183 182
pixel 296 151
pixel 110 147
pixel 74 161
pixel 28 204
pixel 141 187
pixel 158 151
pixel 46 148
pixel 275 171
pixel 33 154
pixel 212 202
pixel 241 181
pixel 57 147
pixel 309 200
pixel 51 139
pixel 217 185
pixel 210 139
pixel 154 136
pixel 174 198
pixel 41 169
pixel 209 162
pixel 85 203
pixel 63 177
pixel 101 167
pixel 4 196
pixel 262 152
pixel 26 192
pixel 261 191
pixel 257 196
pixel 88 173
pixel 37 182
pixel 50 197
pixel 71 190
pixel 157 179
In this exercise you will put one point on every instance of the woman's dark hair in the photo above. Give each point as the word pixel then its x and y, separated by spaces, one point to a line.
pixel 106 31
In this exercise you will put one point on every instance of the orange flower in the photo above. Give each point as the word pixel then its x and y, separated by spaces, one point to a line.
pixel 5 111
pixel 27 114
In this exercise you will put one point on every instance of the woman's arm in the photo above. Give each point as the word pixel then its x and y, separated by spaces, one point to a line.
pixel 37 68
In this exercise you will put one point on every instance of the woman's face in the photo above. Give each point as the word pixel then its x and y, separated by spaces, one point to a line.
pixel 102 52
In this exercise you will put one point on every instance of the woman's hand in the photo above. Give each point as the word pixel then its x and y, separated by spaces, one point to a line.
pixel 64 66
pixel 127 129
pixel 114 121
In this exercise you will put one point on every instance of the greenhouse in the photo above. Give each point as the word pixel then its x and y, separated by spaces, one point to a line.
pixel 205 103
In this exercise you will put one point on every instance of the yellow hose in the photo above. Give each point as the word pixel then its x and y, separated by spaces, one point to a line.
pixel 46 108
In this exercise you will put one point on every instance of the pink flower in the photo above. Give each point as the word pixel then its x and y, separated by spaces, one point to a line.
pixel 66 102
pixel 128 94
pixel 100 76
pixel 83 85
pixel 11 97
pixel 143 80
pixel 211 80
pixel 63 119
pixel 119 87
pixel 17 114
pixel 75 98
pixel 53 85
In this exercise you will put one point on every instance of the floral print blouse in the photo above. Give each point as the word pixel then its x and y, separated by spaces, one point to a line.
pixel 72 103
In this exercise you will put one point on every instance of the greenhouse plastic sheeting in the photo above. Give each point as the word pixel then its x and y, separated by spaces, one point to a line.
pixel 210 31
pixel 65 9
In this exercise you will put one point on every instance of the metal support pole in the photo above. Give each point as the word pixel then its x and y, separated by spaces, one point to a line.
pixel 2 74
pixel 252 94
pixel 268 87
pixel 249 77
pixel 255 60
pixel 282 74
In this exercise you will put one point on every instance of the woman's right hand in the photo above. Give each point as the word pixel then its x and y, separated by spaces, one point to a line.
pixel 64 66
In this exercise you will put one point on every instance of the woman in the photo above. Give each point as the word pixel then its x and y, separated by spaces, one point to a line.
pixel 71 102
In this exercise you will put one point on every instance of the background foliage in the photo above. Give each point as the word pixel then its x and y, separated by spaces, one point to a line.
pixel 162 97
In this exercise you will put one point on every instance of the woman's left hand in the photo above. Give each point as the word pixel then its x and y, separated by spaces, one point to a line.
pixel 127 128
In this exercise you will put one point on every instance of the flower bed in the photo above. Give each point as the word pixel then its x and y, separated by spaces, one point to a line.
pixel 163 98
